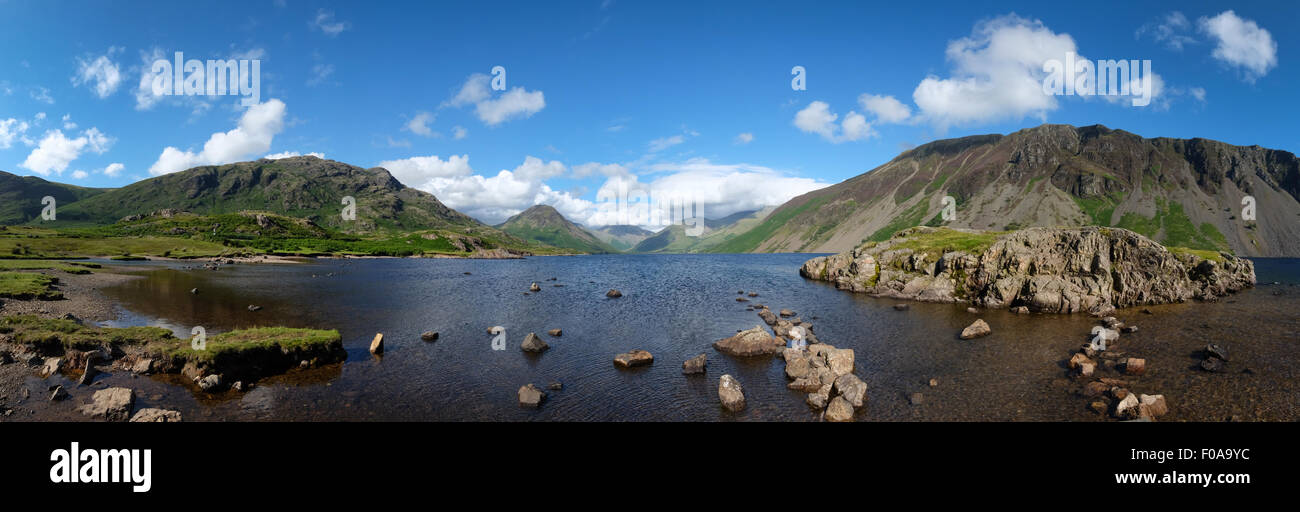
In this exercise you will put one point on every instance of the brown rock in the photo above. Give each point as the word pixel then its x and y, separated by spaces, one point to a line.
pixel 695 365
pixel 975 330
pixel 1135 366
pixel 377 344
pixel 533 343
pixel 633 358
pixel 753 342
pixel 839 410
pixel 531 396
pixel 731 394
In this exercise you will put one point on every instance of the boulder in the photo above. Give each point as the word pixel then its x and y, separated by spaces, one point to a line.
pixel 152 415
pixel 555 332
pixel 785 313
pixel 975 330
pixel 142 366
pixel 633 358
pixel 839 360
pixel 1079 359
pixel 429 335
pixel 1127 408
pixel 211 383
pixel 1135 366
pixel 851 388
pixel 112 404
pixel 531 396
pixel 752 342
pixel 533 343
pixel 731 394
pixel 1152 406
pixel 839 410
pixel 695 365
pixel 797 367
pixel 377 344
pixel 51 366
pixel 768 317
pixel 613 294
pixel 1087 369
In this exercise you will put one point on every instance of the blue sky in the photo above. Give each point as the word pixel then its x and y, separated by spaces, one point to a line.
pixel 672 98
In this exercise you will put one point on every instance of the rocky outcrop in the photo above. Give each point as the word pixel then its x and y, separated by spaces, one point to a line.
pixel 1050 270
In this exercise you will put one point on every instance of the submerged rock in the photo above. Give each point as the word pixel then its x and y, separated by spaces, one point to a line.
pixel 555 332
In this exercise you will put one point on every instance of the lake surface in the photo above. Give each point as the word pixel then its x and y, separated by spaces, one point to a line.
pixel 676 306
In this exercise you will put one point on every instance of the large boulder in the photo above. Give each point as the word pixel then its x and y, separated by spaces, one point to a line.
pixel 976 329
pixel 112 404
pixel 695 365
pixel 753 342
pixel 531 396
pixel 851 388
pixel 731 394
pixel 839 410
pixel 633 358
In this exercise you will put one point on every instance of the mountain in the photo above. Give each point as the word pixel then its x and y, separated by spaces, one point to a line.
pixel 621 237
pixel 20 197
pixel 1180 192
pixel 542 223
pixel 304 187
pixel 674 239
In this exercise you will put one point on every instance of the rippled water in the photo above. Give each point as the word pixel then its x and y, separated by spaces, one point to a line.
pixel 675 306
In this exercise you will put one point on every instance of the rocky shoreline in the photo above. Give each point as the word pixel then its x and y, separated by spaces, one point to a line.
pixel 1048 270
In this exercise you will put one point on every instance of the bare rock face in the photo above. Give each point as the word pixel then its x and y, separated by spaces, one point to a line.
pixel 1049 270
pixel 731 394
pixel 753 342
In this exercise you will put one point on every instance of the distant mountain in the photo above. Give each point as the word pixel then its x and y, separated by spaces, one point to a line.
pixel 674 239
pixel 1180 192
pixel 20 197
pixel 542 223
pixel 304 187
pixel 621 237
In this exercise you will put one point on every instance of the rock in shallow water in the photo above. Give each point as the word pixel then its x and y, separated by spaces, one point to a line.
pixel 695 365
pixel 753 342
pixel 839 410
pixel 975 330
pixel 152 415
pixel 533 343
pixel 531 396
pixel 633 358
pixel 112 404
pixel 731 394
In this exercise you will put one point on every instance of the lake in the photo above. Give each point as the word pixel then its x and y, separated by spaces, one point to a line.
pixel 676 306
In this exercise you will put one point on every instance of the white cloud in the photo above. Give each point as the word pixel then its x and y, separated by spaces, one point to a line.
pixel 997 74
pixel 1241 43
pixel 593 168
pixel 458 132
pixel 419 171
pixel 257 127
pixel 113 170
pixel 744 138
pixel 663 143
pixel 102 74
pixel 515 103
pixel 10 130
pixel 325 22
pixel 80 175
pixel 55 150
pixel 40 116
pixel 419 124
pixel 290 154
pixel 145 99
pixel 1171 30
pixel 818 118
pixel 67 121
pixel 887 109
pixel 1198 93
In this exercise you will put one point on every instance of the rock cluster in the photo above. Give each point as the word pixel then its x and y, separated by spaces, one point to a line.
pixel 1050 270
pixel 825 373
pixel 1093 364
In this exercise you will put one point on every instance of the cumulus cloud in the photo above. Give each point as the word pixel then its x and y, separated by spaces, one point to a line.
pixel 513 104
pixel 458 132
pixel 1241 43
pixel 419 171
pixel 257 127
pixel 818 118
pixel 887 109
pixel 11 129
pixel 744 138
pixel 55 150
pixel 419 124
pixel 997 74
pixel 113 170
pixel 101 74
pixel 80 175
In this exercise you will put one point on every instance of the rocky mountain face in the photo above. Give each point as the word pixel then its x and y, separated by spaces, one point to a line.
pixel 1180 192
pixel 1051 270
pixel 542 223
pixel 303 187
